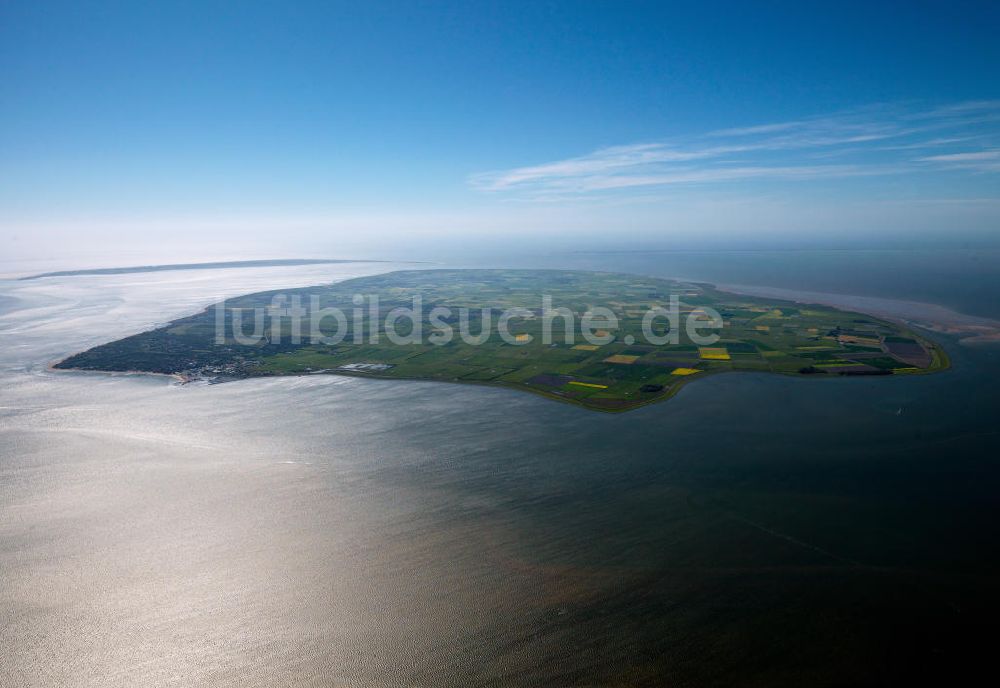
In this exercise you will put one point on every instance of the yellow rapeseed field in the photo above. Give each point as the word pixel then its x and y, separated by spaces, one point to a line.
pixel 621 358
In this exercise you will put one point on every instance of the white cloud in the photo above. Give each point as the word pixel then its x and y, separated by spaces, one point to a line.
pixel 964 157
pixel 866 141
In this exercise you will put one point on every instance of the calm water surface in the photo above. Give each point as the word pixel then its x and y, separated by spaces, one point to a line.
pixel 322 531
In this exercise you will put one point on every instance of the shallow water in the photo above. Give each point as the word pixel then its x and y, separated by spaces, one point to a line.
pixel 754 530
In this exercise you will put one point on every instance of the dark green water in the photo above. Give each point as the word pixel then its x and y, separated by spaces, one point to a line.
pixel 757 532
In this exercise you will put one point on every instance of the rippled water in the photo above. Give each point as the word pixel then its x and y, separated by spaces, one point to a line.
pixel 321 531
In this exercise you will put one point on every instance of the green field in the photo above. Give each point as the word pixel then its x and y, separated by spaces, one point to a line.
pixel 623 371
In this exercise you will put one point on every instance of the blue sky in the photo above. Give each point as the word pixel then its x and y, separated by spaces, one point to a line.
pixel 350 124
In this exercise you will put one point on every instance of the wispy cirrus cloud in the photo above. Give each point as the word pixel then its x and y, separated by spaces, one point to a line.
pixel 978 161
pixel 874 141
pixel 964 157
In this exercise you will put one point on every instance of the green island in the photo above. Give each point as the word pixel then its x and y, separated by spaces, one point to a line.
pixel 622 371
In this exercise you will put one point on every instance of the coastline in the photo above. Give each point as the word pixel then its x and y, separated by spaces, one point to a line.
pixel 925 316
pixel 51 368
pixel 977 330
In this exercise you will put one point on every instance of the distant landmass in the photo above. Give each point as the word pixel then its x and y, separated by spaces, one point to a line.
pixel 620 372
pixel 195 266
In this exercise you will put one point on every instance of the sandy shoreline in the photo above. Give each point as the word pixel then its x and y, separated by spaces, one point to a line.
pixel 51 368
pixel 929 316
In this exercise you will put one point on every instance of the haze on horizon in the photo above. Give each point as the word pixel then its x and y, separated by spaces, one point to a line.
pixel 202 131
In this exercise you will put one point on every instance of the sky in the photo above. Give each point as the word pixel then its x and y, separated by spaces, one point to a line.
pixel 206 130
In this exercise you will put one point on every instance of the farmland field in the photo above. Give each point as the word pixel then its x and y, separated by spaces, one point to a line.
pixel 591 348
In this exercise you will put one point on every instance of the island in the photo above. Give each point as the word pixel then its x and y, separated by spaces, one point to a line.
pixel 601 340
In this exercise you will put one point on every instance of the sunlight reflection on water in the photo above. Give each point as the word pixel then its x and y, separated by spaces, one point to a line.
pixel 324 530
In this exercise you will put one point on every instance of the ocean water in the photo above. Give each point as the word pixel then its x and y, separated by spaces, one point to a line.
pixel 325 531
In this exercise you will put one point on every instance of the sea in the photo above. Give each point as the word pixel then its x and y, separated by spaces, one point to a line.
pixel 755 530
